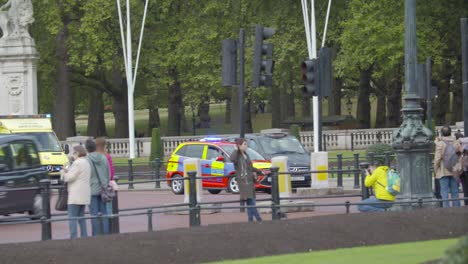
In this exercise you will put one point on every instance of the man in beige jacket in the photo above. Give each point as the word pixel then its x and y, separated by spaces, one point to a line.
pixel 448 183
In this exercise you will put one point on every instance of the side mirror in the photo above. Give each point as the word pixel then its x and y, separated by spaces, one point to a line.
pixel 220 158
pixel 67 149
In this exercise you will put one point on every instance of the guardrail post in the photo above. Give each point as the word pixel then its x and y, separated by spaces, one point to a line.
pixel 364 190
pixel 352 141
pixel 157 169
pixel 275 198
pixel 45 217
pixel 194 208
pixel 138 148
pixel 150 220
pixel 100 219
pixel 339 181
pixel 130 174
pixel 114 224
pixel 356 174
pixel 347 204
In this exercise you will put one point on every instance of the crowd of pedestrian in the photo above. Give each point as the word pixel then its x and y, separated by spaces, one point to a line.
pixel 91 169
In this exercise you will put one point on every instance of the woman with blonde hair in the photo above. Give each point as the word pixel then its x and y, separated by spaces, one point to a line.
pixel 79 191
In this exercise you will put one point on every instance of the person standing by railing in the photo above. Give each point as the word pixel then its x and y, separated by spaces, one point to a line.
pixel 100 175
pixel 79 192
pixel 101 148
pixel 246 178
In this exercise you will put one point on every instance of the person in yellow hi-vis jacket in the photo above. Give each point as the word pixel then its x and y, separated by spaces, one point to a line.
pixel 376 177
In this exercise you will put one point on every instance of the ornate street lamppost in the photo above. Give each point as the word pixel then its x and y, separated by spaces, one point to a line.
pixel 412 141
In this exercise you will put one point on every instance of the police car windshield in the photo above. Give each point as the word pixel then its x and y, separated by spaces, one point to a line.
pixel 281 145
pixel 254 155
pixel 46 141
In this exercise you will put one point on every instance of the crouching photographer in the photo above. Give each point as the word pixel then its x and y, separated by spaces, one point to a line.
pixel 376 177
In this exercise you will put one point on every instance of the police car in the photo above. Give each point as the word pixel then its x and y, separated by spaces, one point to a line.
pixel 214 154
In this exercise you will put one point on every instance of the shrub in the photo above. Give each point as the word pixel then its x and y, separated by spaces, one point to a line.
pixel 379 150
pixel 157 147
pixel 294 130
pixel 457 254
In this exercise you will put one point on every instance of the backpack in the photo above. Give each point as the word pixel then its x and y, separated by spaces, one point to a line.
pixel 393 182
pixel 451 158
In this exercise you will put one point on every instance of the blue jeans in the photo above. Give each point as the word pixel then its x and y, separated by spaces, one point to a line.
pixel 98 206
pixel 77 210
pixel 252 211
pixel 375 206
pixel 448 184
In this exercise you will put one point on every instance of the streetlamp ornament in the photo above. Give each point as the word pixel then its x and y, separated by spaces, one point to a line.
pixel 15 18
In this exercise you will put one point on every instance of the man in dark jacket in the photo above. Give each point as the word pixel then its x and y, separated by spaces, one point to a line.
pixel 100 176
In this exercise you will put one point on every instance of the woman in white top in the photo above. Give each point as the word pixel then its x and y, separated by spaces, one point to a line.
pixel 79 192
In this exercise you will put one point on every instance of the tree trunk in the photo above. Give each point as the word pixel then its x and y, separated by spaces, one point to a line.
pixel 334 101
pixel 96 123
pixel 305 107
pixel 120 110
pixel 64 116
pixel 363 108
pixel 275 107
pixel 457 99
pixel 204 113
pixel 175 105
pixel 394 103
pixel 381 117
pixel 154 119
pixel 248 116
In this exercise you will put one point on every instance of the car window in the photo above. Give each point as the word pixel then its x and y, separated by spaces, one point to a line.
pixel 181 151
pixel 6 163
pixel 280 145
pixel 254 155
pixel 194 151
pixel 252 144
pixel 24 155
pixel 213 152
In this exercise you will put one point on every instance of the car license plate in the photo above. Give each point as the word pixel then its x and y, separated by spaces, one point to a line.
pixel 54 181
pixel 297 178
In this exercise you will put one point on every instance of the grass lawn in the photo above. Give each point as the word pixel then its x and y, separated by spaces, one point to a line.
pixel 404 253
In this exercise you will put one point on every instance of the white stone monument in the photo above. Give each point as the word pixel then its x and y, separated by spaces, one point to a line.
pixel 18 59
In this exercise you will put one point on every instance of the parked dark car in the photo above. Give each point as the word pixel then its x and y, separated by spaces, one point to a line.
pixel 277 142
pixel 20 167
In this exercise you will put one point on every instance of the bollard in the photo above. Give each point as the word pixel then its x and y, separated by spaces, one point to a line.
pixel 45 223
pixel 150 220
pixel 339 181
pixel 364 190
pixel 356 167
pixel 130 174
pixel 114 224
pixel 347 204
pixel 388 161
pixel 157 168
pixel 194 208
pixel 275 198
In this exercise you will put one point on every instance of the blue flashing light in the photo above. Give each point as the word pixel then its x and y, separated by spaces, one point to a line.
pixel 48 115
pixel 211 139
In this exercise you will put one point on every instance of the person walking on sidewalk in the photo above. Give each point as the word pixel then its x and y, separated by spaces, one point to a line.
pixel 79 192
pixel 246 178
pixel 376 177
pixel 100 176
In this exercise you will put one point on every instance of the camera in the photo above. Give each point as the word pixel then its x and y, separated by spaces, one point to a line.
pixel 364 165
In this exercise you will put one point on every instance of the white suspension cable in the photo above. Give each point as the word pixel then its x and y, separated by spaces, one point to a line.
pixel 305 15
pixel 122 34
pixel 312 30
pixel 326 24
pixel 139 44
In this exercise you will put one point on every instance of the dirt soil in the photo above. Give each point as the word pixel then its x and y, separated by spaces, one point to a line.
pixel 243 240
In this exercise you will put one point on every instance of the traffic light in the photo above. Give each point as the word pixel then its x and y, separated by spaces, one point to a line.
pixel 325 71
pixel 229 62
pixel 262 60
pixel 310 77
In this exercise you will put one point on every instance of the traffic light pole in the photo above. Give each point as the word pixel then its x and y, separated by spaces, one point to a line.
pixel 464 36
pixel 241 82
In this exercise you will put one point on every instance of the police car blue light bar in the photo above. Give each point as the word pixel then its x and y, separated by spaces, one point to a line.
pixel 211 139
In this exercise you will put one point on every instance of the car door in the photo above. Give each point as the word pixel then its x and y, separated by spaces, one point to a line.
pixel 26 173
pixel 213 167
pixel 6 181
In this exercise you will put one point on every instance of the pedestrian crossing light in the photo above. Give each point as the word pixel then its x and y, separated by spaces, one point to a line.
pixel 310 77
pixel 262 60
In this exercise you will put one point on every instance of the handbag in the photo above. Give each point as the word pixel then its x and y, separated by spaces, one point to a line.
pixel 62 200
pixel 107 192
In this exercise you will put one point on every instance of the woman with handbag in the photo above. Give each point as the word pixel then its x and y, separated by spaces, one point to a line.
pixel 79 192
pixel 246 178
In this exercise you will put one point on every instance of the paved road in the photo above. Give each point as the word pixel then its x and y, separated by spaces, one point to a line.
pixel 145 196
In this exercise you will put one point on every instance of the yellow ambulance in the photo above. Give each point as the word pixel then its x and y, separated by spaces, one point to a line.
pixel 39 128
